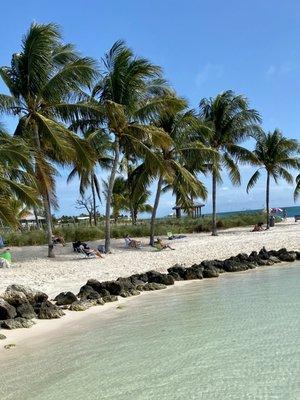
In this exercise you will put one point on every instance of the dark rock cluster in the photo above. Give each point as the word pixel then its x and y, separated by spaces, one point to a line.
pixel 20 304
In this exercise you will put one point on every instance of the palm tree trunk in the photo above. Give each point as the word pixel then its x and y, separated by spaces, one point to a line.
pixel 109 194
pixel 94 200
pixel 155 206
pixel 214 204
pixel 268 199
pixel 46 203
pixel 36 218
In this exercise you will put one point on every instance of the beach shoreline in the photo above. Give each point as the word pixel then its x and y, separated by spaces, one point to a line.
pixel 244 242
pixel 45 330
pixel 69 271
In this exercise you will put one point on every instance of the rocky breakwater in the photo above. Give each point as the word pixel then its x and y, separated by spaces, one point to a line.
pixel 20 305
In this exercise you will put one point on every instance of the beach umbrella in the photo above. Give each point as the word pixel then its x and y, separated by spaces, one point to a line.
pixel 276 210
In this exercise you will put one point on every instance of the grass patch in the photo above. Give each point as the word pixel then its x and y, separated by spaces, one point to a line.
pixel 142 229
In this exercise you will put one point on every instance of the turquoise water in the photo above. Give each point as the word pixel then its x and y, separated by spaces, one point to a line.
pixel 291 211
pixel 236 337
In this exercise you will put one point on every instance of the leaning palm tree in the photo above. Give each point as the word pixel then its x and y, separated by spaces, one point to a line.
pixel 15 169
pixel 126 93
pixel 178 123
pixel 230 121
pixel 45 81
pixel 275 154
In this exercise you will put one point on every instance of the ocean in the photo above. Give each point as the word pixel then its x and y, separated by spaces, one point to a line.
pixel 236 337
pixel 291 211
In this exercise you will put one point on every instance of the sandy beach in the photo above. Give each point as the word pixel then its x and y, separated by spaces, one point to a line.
pixel 69 271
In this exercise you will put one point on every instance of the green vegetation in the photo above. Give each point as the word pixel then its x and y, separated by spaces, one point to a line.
pixel 120 115
pixel 142 229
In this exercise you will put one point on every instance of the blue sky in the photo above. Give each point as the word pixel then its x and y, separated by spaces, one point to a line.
pixel 251 47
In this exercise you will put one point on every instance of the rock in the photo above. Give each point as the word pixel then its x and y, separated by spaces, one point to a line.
pixel 298 254
pixel 114 287
pixel 178 270
pixel 208 263
pixel 211 272
pixel 242 257
pixel 2 337
pixel 17 323
pixel 142 277
pixel 87 292
pixel 264 254
pixel 274 259
pixel 26 310
pixel 125 294
pixel 47 310
pixel 134 292
pixel 153 286
pixel 33 296
pixel 65 298
pixel 135 280
pixel 100 302
pixel 109 298
pixel 9 346
pixel 15 298
pixel 288 256
pixel 7 311
pixel 231 265
pixel 157 277
pixel 94 284
pixel 194 272
pixel 126 283
pixel 82 305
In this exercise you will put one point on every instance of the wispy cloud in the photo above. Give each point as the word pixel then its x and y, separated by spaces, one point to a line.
pixel 280 69
pixel 209 72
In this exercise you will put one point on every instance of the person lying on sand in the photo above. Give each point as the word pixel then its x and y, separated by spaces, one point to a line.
pixel 135 244
pixel 58 239
pixel 161 245
pixel 258 227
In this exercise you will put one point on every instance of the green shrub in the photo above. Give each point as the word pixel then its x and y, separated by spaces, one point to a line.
pixel 142 229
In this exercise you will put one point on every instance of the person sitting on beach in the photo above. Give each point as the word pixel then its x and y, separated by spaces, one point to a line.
pixel 258 227
pixel 136 244
pixel 58 239
pixel 5 259
pixel 88 251
pixel 161 245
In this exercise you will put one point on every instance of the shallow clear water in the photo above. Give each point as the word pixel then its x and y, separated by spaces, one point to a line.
pixel 236 337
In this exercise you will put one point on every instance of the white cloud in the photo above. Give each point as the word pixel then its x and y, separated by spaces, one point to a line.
pixel 209 72
pixel 280 69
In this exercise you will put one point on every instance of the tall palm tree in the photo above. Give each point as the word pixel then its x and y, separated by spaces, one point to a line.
pixel 230 121
pixel 45 81
pixel 126 94
pixel 276 155
pixel 178 123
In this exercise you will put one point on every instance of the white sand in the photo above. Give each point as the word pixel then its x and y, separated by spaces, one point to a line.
pixel 69 271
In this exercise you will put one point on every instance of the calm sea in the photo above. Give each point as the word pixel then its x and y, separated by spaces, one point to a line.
pixel 235 338
pixel 291 211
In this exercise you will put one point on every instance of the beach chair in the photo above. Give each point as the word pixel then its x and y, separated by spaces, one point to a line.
pixel 85 254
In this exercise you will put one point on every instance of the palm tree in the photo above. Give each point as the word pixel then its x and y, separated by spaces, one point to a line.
pixel 297 188
pixel 178 123
pixel 230 121
pixel 45 82
pixel 99 157
pixel 126 94
pixel 15 169
pixel 276 155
